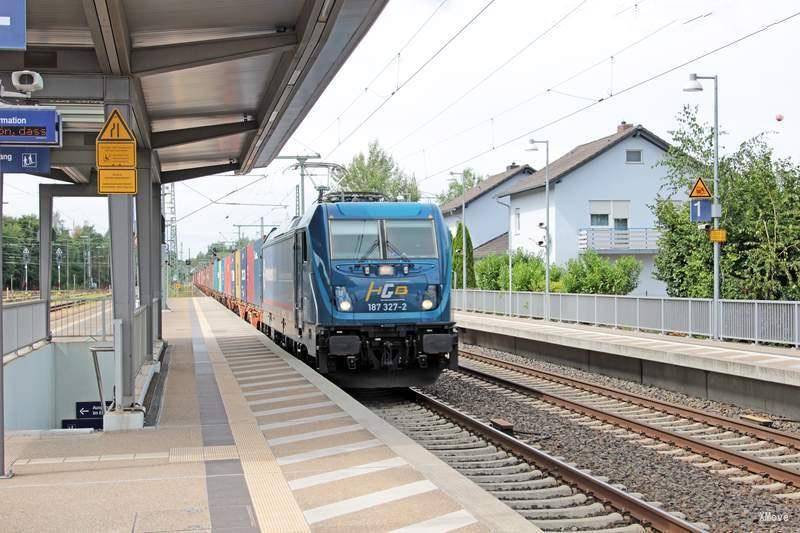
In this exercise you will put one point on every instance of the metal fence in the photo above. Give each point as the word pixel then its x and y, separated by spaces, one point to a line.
pixel 24 324
pixel 82 317
pixel 749 320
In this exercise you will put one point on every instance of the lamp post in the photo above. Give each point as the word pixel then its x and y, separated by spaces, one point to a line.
pixel 26 258
pixel 546 225
pixel 59 254
pixel 463 230
pixel 716 208
pixel 510 250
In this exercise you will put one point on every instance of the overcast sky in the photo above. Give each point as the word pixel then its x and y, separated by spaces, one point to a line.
pixel 758 80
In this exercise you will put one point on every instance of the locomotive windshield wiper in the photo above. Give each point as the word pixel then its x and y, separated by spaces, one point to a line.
pixel 402 255
pixel 370 250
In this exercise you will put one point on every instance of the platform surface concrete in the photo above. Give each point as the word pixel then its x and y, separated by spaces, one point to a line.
pixel 248 439
pixel 751 361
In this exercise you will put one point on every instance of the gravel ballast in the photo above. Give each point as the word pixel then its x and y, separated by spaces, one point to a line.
pixel 724 409
pixel 703 496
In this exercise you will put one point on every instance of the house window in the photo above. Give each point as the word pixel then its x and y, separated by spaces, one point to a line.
pixel 621 224
pixel 599 220
pixel 633 156
pixel 516 221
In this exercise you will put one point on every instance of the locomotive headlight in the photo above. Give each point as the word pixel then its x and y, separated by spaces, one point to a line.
pixel 343 301
pixel 430 298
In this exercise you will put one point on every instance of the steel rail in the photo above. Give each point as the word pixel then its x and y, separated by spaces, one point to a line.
pixel 752 464
pixel 752 430
pixel 637 508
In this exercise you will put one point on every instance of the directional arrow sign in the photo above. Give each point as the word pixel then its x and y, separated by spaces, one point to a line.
pixel 89 410
pixel 115 157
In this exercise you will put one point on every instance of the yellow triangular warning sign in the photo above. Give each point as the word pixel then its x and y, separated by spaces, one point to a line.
pixel 115 129
pixel 700 190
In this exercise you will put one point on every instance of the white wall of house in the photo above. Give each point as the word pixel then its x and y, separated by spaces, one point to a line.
pixel 486 218
pixel 629 188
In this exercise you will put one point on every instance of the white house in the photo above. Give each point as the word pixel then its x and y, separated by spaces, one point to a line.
pixel 600 193
pixel 486 218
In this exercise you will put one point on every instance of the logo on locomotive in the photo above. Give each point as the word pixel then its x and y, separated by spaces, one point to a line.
pixel 387 291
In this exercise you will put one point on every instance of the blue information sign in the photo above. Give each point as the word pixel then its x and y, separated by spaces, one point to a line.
pixel 25 160
pixel 700 210
pixel 30 126
pixel 12 25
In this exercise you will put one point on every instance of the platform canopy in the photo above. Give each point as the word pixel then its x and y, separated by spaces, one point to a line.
pixel 213 85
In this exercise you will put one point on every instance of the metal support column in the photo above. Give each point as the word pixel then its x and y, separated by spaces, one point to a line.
pixel 154 252
pixel 120 217
pixel 3 472
pixel 144 231
pixel 45 255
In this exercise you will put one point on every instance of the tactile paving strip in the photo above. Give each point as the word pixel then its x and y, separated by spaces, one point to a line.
pixel 274 504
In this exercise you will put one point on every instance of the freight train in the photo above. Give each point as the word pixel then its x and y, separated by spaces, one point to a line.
pixel 360 290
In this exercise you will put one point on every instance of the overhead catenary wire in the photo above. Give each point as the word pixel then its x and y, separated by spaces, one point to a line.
pixel 395 58
pixel 488 76
pixel 549 90
pixel 212 202
pixel 627 89
pixel 408 80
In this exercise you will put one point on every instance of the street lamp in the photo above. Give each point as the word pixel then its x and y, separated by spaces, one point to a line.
pixel 694 85
pixel 26 258
pixel 59 254
pixel 463 230
pixel 546 226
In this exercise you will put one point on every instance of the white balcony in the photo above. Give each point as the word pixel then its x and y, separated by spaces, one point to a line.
pixel 616 241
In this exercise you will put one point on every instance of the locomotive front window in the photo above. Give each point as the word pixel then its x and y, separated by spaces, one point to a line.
pixel 410 239
pixel 355 239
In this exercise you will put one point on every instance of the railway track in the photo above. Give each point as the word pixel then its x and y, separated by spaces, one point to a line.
pixel 721 444
pixel 552 494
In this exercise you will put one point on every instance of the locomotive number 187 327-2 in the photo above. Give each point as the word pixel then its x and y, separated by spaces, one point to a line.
pixel 387 306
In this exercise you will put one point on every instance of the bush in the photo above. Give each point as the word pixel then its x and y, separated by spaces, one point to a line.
pixel 592 274
pixel 528 273
pixel 488 271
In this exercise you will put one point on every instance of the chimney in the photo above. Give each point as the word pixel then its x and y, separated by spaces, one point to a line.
pixel 623 126
pixel 512 166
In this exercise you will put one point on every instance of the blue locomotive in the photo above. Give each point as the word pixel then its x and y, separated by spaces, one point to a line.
pixel 360 290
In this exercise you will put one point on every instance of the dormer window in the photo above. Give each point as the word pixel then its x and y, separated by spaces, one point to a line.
pixel 633 156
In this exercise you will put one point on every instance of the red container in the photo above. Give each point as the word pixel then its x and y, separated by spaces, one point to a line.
pixel 251 278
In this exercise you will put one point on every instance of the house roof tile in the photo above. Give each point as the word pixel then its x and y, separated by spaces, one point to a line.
pixel 582 154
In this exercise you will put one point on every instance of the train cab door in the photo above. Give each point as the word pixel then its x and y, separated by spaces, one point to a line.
pixel 299 254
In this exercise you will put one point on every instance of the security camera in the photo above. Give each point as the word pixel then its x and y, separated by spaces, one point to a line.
pixel 27 81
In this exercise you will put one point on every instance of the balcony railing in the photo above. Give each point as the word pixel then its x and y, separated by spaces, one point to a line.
pixel 634 240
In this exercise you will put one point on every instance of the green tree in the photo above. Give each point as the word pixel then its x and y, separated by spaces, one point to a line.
pixel 23 232
pixel 592 274
pixel 458 260
pixel 378 172
pixel 760 197
pixel 455 187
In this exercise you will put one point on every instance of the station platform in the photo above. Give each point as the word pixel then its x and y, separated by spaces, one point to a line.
pixel 756 376
pixel 248 438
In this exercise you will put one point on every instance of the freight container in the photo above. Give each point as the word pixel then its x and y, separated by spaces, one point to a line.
pixel 250 295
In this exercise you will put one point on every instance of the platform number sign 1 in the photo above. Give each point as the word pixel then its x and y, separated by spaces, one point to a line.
pixel 700 210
